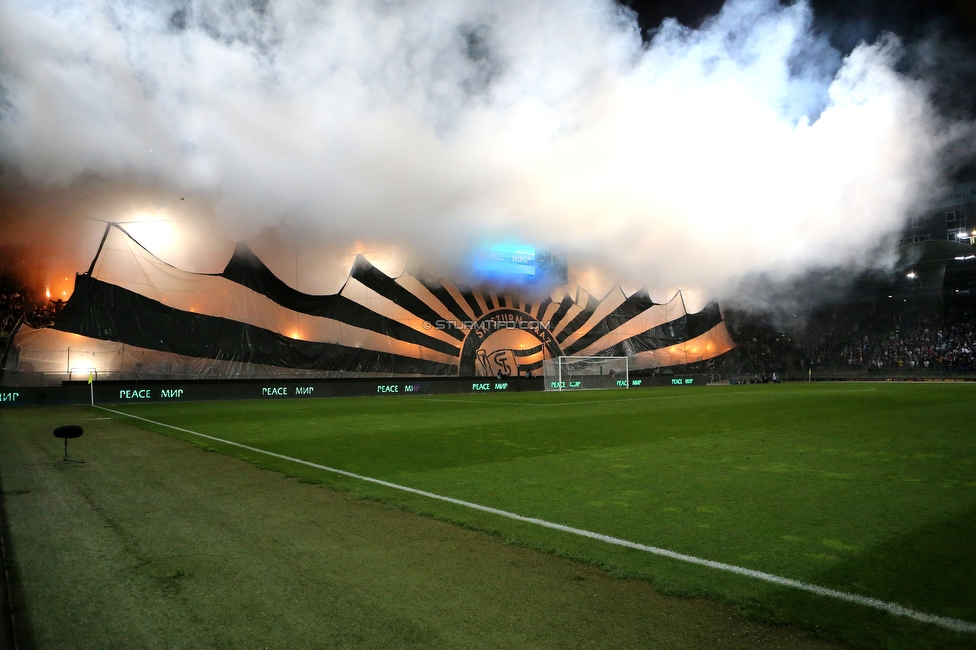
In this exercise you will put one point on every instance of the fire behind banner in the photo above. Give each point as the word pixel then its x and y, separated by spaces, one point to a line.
pixel 133 316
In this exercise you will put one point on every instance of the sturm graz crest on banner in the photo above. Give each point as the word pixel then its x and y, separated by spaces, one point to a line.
pixel 133 317
pixel 508 341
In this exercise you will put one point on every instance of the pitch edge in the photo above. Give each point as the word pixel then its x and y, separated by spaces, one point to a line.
pixel 892 608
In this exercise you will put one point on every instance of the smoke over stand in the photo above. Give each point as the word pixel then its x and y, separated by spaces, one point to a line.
pixel 746 146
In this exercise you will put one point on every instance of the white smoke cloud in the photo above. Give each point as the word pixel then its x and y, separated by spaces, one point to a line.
pixel 747 146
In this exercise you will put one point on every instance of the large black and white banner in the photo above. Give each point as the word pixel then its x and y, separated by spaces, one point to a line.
pixel 133 316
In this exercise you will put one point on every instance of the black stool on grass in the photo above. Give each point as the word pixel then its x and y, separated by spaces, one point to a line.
pixel 65 432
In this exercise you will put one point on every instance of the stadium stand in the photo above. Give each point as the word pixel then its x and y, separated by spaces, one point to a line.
pixel 895 336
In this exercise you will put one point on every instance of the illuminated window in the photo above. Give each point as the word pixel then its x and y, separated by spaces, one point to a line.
pixel 955 223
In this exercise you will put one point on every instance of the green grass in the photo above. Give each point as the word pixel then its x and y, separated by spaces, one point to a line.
pixel 156 543
pixel 865 488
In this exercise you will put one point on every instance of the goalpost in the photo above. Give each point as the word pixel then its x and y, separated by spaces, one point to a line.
pixel 581 373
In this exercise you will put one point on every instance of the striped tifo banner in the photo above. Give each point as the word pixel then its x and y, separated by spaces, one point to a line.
pixel 245 321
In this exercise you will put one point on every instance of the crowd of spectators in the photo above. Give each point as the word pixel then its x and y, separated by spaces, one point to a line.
pixel 18 305
pixel 920 341
pixel 881 336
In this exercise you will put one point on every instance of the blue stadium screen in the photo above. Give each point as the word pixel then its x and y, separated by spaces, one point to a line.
pixel 513 261
pixel 519 264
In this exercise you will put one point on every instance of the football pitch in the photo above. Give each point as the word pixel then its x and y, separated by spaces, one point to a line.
pixel 846 511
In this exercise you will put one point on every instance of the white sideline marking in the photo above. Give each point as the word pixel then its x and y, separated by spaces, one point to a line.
pixel 892 608
pixel 629 399
pixel 554 404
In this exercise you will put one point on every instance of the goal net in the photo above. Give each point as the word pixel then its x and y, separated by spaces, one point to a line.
pixel 581 373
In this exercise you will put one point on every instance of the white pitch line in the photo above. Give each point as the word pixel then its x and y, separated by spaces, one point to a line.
pixel 892 608
pixel 470 403
pixel 627 399
pixel 535 404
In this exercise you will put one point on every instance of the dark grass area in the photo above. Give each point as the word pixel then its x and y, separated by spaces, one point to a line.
pixel 155 543
pixel 868 488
